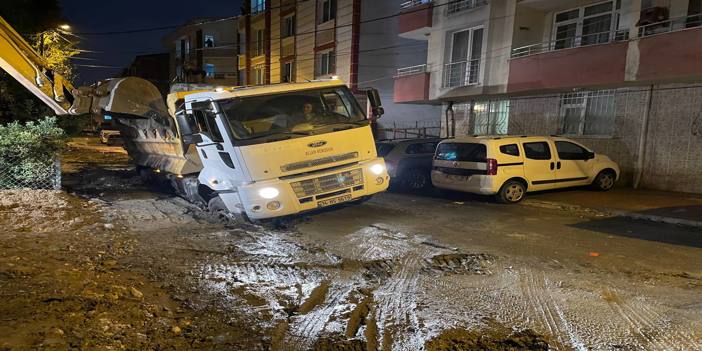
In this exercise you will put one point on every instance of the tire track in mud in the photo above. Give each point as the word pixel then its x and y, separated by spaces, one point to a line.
pixel 548 312
pixel 646 323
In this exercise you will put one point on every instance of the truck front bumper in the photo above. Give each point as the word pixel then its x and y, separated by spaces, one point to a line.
pixel 282 197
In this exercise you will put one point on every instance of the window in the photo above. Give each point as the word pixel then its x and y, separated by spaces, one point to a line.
pixel 209 41
pixel 258 6
pixel 289 26
pixel 491 117
pixel 209 70
pixel 594 24
pixel 326 63
pixel 259 75
pixel 206 121
pixel 384 149
pixel 287 74
pixel 537 151
pixel 510 149
pixel 462 152
pixel 588 113
pixel 260 39
pixel 421 148
pixel 570 151
pixel 328 12
pixel 466 52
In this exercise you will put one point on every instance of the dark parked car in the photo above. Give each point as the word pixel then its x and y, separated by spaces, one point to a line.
pixel 408 161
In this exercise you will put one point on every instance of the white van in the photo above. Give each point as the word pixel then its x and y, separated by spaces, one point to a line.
pixel 510 166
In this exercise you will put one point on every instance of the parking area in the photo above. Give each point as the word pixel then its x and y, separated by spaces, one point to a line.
pixel 404 271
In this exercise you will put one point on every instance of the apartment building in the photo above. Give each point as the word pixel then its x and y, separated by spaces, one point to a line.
pixel 621 76
pixel 299 40
pixel 204 50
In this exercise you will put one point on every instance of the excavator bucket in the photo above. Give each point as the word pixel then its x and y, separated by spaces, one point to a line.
pixel 128 97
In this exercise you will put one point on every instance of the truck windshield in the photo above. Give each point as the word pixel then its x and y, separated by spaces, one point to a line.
pixel 305 112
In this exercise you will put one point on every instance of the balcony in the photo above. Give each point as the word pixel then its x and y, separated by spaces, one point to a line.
pixel 456 6
pixel 571 42
pixel 670 51
pixel 412 84
pixel 597 59
pixel 460 74
pixel 415 20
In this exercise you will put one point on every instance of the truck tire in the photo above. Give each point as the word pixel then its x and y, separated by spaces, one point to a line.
pixel 219 210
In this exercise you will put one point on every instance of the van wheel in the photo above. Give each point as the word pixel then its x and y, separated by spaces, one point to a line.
pixel 604 181
pixel 511 192
pixel 416 179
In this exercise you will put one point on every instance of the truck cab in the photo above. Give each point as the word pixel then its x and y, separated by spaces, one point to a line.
pixel 283 149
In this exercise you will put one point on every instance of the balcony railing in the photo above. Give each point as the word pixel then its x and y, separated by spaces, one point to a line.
pixel 671 25
pixel 412 3
pixel 572 42
pixel 456 6
pixel 412 70
pixel 458 74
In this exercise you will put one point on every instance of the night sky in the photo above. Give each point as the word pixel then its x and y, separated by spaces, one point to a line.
pixel 119 50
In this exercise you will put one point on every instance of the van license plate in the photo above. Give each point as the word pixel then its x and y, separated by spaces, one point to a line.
pixel 334 200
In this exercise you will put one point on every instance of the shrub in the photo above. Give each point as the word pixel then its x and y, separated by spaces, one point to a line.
pixel 28 152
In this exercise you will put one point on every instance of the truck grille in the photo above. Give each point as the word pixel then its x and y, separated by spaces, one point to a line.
pixel 328 183
pixel 318 162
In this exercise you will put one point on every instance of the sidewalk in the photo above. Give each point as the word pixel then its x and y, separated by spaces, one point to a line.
pixel 658 206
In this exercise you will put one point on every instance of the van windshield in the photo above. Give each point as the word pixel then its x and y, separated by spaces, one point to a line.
pixel 298 113
pixel 461 152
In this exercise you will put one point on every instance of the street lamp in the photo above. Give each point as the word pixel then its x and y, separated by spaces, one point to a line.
pixel 64 27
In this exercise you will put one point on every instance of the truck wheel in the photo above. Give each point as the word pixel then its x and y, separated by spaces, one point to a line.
pixel 416 179
pixel 217 207
pixel 511 192
pixel 604 181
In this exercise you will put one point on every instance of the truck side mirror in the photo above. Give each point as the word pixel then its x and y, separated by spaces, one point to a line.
pixel 376 104
pixel 190 139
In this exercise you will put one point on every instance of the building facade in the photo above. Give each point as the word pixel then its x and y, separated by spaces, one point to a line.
pixel 205 51
pixel 621 76
pixel 299 40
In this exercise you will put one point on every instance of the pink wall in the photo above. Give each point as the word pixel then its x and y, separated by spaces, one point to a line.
pixel 596 65
pixel 412 88
pixel 671 56
pixel 415 18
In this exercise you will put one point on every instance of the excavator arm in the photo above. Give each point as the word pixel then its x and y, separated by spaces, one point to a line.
pixel 128 97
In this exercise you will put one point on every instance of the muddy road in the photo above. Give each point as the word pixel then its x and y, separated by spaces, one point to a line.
pixel 113 264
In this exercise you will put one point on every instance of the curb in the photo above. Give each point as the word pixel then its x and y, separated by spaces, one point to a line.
pixel 602 212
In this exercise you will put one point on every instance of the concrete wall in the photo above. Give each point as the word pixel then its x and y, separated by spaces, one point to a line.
pixel 673 160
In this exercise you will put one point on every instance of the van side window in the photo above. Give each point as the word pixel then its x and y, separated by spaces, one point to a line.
pixel 537 151
pixel 461 152
pixel 570 151
pixel 510 149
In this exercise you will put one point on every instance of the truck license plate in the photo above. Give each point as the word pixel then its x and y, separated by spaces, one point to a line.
pixel 334 200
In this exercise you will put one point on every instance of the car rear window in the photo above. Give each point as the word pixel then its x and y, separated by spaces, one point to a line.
pixel 384 149
pixel 461 152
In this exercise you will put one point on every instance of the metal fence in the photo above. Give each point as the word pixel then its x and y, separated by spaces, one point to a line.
pixel 455 6
pixel 463 73
pixel 19 171
pixel 409 130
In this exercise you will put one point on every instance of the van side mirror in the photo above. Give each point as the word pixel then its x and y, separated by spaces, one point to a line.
pixel 190 139
pixel 376 104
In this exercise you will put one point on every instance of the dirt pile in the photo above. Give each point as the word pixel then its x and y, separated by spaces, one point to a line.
pixel 488 340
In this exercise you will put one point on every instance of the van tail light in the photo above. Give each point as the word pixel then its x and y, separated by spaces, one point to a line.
pixel 491 166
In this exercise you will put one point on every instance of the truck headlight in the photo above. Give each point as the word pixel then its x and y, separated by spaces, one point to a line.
pixel 268 193
pixel 377 168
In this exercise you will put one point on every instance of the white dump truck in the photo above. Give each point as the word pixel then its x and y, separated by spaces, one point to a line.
pixel 260 152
